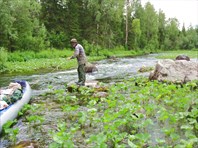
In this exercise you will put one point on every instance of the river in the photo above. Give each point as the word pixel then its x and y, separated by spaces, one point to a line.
pixel 109 70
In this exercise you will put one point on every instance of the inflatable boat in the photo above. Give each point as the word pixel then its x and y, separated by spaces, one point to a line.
pixel 11 112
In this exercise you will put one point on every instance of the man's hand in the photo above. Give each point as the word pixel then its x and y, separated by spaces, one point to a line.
pixel 68 58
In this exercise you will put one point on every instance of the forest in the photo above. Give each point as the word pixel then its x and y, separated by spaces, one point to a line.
pixel 35 25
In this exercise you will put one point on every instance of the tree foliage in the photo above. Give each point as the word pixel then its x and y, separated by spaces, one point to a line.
pixel 20 25
pixel 39 24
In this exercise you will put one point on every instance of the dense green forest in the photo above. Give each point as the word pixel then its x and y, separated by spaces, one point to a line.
pixel 35 25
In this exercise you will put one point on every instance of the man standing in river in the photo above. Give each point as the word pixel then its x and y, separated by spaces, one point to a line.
pixel 80 55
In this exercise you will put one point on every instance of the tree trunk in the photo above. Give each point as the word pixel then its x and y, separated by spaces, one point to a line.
pixel 127 31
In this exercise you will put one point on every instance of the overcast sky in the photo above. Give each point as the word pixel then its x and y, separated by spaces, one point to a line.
pixel 186 11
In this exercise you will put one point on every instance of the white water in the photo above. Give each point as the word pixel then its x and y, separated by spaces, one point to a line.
pixel 108 70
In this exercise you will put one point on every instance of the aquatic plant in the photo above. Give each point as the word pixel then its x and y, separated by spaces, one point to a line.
pixel 11 132
pixel 62 138
pixel 135 113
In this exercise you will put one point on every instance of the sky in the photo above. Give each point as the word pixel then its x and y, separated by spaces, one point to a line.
pixel 186 11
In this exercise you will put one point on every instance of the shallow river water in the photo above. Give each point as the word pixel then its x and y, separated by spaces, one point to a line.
pixel 108 71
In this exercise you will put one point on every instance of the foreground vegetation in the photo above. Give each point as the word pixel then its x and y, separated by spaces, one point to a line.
pixel 136 113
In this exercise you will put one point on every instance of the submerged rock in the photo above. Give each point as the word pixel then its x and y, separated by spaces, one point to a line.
pixel 26 144
pixel 100 94
pixel 145 69
pixel 73 86
pixel 89 68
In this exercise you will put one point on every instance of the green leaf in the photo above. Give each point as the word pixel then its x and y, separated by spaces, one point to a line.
pixel 187 127
pixel 131 144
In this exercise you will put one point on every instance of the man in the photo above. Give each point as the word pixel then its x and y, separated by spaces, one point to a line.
pixel 80 55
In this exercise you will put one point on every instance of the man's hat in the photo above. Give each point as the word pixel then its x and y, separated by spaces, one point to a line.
pixel 73 40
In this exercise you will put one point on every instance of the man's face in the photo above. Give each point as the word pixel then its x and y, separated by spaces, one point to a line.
pixel 73 44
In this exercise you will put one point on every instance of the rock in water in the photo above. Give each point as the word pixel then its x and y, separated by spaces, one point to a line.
pixel 72 85
pixel 182 57
pixel 89 68
pixel 179 71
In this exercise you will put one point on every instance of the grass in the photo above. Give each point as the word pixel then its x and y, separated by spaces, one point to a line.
pixel 55 60
pixel 173 54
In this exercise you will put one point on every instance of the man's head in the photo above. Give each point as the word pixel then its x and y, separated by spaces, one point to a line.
pixel 73 42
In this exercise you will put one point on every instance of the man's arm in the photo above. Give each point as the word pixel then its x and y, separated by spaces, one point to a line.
pixel 76 53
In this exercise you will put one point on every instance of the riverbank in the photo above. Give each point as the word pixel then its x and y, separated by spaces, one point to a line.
pixel 51 61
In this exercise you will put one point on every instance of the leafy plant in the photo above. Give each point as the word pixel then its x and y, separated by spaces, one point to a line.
pixel 99 140
pixel 136 113
pixel 62 138
pixel 3 58
pixel 10 131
